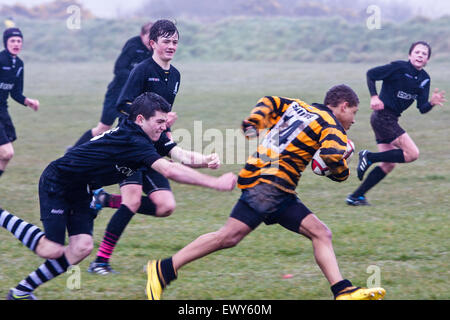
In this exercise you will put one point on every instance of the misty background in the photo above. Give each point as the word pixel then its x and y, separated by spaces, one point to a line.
pixel 395 9
pixel 230 30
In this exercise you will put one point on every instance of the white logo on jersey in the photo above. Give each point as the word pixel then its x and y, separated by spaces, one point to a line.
pixel 424 83
pixel 6 86
pixel 294 121
pixel 406 96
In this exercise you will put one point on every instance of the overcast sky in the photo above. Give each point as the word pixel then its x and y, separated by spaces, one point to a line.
pixel 111 8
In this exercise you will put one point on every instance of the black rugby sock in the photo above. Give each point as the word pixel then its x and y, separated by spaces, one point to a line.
pixel 84 138
pixel 1 172
pixel 168 272
pixel 339 286
pixel 147 207
pixel 394 156
pixel 375 176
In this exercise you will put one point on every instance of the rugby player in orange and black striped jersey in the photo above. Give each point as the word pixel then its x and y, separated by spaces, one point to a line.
pixel 268 181
pixel 296 131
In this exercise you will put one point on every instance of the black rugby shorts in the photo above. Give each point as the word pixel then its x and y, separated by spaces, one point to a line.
pixel 266 203
pixel 61 211
pixel 7 130
pixel 110 112
pixel 149 179
pixel 385 126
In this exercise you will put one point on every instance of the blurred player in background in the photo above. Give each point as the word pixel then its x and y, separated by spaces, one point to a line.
pixel 403 82
pixel 11 83
pixel 135 50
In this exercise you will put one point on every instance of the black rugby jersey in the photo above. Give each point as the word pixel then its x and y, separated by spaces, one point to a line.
pixel 11 79
pixel 296 130
pixel 109 158
pixel 148 76
pixel 402 84
pixel 133 53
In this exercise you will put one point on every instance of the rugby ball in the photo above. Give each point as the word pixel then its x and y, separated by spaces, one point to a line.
pixel 350 150
pixel 319 167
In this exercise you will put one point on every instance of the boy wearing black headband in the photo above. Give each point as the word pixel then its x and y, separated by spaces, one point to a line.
pixel 11 83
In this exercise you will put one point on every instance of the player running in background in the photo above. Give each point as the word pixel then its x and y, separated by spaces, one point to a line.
pixel 403 82
pixel 135 50
pixel 268 181
pixel 11 83
pixel 107 159
pixel 155 74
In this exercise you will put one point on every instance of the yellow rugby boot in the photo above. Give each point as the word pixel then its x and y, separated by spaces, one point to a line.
pixel 357 293
pixel 154 287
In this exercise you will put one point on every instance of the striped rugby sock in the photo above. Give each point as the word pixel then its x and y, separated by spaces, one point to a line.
pixel 114 230
pixel 27 233
pixel 47 271
pixel 106 248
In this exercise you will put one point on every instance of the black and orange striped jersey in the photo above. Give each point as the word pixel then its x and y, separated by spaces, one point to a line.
pixel 296 130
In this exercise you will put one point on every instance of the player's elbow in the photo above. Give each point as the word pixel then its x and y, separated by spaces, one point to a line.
pixel 336 179
pixel 340 176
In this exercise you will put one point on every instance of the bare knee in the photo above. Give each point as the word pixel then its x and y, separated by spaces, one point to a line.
pixel 80 246
pixel 315 229
pixel 324 233
pixel 7 155
pixel 230 242
pixel 47 249
pixel 412 155
pixel 227 239
pixel 83 248
pixel 165 209
pixel 164 202
pixel 407 145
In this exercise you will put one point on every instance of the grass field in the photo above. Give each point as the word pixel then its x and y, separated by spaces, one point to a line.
pixel 404 234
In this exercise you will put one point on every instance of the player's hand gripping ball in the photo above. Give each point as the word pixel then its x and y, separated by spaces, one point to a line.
pixel 319 167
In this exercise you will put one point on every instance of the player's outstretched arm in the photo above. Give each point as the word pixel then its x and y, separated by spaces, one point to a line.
pixel 183 174
pixel 194 159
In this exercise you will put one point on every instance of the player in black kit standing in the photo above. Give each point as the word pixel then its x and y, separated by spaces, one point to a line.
pixel 403 82
pixel 135 50
pixel 107 159
pixel 155 74
pixel 11 83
